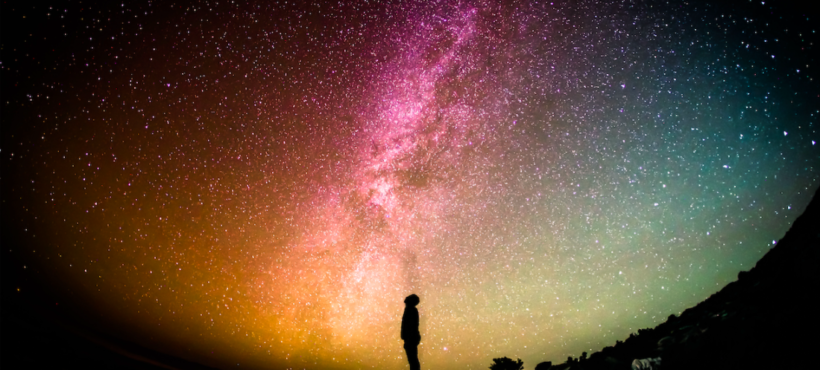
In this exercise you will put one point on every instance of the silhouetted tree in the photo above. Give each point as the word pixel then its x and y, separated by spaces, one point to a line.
pixel 505 363
pixel 583 356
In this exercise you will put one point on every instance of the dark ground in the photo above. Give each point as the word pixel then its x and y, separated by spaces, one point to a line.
pixel 33 338
pixel 767 319
pixel 46 328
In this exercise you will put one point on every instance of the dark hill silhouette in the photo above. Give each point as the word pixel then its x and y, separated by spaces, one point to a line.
pixel 34 338
pixel 765 319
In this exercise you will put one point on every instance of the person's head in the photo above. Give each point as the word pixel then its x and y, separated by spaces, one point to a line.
pixel 412 300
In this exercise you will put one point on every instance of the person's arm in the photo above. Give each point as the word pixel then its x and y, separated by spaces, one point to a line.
pixel 418 333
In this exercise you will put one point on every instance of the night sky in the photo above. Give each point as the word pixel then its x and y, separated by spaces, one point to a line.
pixel 262 183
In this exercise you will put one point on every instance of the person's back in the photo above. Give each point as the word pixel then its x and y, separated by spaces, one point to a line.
pixel 410 325
pixel 410 331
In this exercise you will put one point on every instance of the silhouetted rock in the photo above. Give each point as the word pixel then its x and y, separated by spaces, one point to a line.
pixel 543 366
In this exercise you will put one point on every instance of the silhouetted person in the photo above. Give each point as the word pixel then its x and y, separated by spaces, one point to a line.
pixel 410 331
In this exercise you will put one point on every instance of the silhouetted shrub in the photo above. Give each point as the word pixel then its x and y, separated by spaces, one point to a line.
pixel 544 365
pixel 505 363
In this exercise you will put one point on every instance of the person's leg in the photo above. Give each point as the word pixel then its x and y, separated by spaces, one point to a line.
pixel 412 355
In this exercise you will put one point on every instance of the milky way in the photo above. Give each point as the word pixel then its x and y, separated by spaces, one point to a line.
pixel 264 183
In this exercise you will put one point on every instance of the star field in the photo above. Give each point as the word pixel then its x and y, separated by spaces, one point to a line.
pixel 262 183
